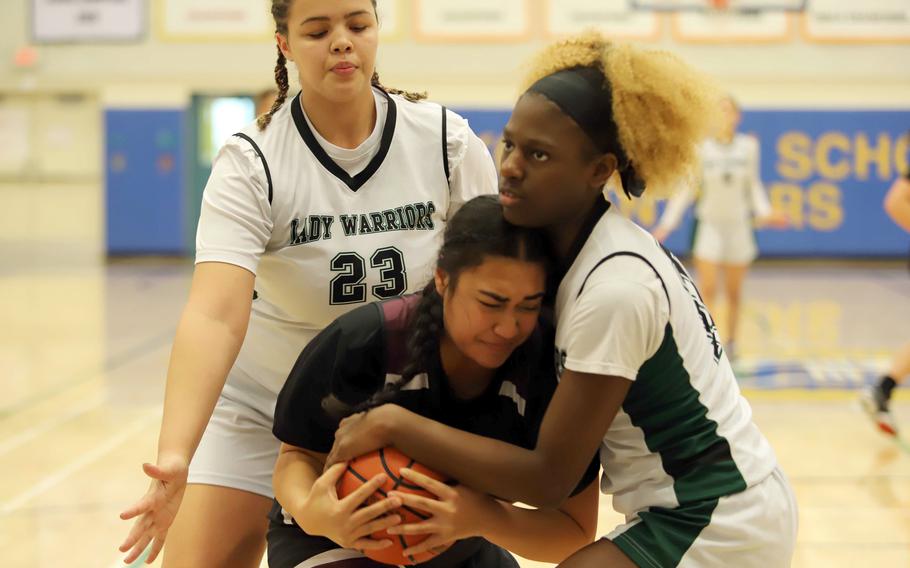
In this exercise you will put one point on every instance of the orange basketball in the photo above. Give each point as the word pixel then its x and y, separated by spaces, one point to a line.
pixel 390 461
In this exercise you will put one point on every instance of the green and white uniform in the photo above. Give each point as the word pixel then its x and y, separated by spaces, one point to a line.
pixel 729 197
pixel 698 483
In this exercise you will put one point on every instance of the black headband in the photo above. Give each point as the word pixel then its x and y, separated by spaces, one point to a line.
pixel 583 94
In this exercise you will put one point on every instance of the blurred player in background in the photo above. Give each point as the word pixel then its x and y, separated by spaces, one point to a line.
pixel 876 399
pixel 730 201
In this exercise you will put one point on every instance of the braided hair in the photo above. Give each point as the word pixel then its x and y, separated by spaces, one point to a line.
pixel 478 230
pixel 280 11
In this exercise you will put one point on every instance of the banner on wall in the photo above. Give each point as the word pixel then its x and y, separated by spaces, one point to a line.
pixel 731 26
pixel 615 18
pixel 827 170
pixel 214 20
pixel 389 13
pixel 472 20
pixel 868 21
pixel 54 21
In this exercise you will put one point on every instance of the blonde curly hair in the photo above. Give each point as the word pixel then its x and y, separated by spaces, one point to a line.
pixel 662 107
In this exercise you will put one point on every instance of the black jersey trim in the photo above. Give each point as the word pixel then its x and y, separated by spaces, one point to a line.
pixel 563 265
pixel 265 164
pixel 601 206
pixel 625 253
pixel 356 182
pixel 445 145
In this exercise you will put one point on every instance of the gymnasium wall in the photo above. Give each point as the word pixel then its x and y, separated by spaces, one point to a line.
pixel 793 72
pixel 92 83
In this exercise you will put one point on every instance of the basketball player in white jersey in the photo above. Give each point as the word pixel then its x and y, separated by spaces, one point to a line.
pixel 337 197
pixel 643 376
pixel 730 202
pixel 877 399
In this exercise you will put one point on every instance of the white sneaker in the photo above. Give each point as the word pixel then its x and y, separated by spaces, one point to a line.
pixel 876 406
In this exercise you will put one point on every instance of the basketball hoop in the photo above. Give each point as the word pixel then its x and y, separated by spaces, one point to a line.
pixel 719 6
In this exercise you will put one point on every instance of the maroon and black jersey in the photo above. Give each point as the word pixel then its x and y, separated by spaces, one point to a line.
pixel 362 351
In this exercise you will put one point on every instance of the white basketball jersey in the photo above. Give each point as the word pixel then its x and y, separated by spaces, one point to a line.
pixel 730 188
pixel 684 433
pixel 322 242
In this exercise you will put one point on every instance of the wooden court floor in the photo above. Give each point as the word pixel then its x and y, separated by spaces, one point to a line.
pixel 84 347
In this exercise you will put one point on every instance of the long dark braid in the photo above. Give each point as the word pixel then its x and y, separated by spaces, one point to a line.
pixel 281 79
pixel 426 329
pixel 409 95
pixel 280 11
pixel 478 230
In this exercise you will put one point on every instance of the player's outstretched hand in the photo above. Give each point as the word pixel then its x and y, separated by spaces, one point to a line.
pixel 156 509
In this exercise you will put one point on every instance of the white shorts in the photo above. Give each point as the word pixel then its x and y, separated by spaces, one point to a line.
pixel 752 529
pixel 238 449
pixel 724 243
